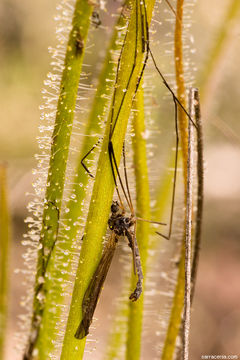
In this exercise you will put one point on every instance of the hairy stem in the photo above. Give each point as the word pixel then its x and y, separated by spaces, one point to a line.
pixel 200 197
pixel 133 350
pixel 56 173
pixel 188 235
pixel 178 300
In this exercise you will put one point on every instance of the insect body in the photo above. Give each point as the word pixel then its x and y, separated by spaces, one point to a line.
pixel 125 226
pixel 121 226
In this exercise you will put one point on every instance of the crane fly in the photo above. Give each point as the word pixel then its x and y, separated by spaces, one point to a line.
pixel 120 224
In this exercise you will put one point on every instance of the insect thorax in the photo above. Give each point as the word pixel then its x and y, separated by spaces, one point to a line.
pixel 118 222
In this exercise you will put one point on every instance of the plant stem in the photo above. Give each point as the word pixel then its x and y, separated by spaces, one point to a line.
pixel 198 227
pixel 135 318
pixel 200 196
pixel 57 167
pixel 118 334
pixel 178 300
pixel 181 93
pixel 188 235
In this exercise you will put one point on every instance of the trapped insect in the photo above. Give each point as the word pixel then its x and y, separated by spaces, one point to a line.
pixel 121 226
pixel 118 222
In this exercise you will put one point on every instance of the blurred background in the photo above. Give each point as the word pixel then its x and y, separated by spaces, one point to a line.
pixel 26 30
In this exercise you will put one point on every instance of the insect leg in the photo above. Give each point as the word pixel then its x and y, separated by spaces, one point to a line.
pixel 167 237
pixel 177 103
pixel 87 154
pixel 175 98
pixel 114 168
pixel 171 7
pixel 137 260
pixel 126 179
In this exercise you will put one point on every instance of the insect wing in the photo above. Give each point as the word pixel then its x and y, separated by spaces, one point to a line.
pixel 94 289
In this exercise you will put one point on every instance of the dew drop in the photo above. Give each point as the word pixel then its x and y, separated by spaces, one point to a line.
pixel 46 251
pixel 41 280
pixel 40 297
pixel 35 352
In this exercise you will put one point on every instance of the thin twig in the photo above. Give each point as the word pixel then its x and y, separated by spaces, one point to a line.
pixel 171 7
pixel 188 238
pixel 197 238
pixel 200 177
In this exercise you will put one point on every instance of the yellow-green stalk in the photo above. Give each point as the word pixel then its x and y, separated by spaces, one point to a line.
pixel 135 316
pixel 40 344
